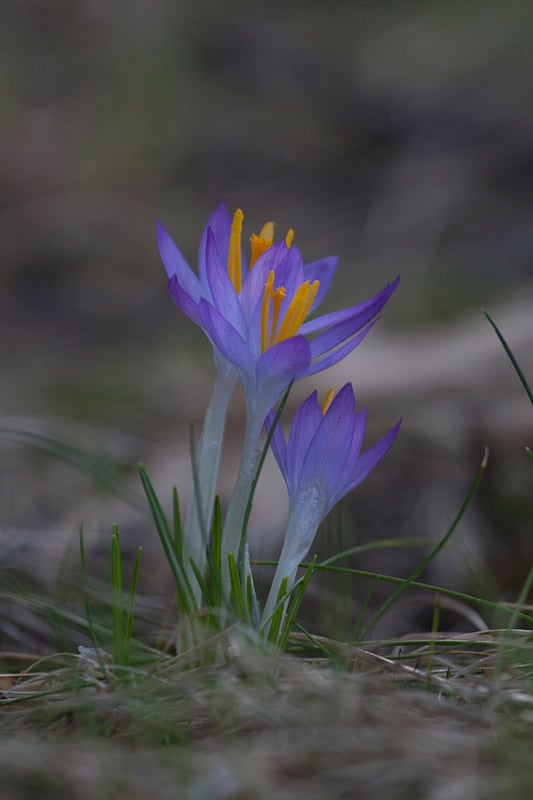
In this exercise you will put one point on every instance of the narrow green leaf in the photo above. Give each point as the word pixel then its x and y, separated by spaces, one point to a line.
pixel 510 355
pixel 178 528
pixel 316 642
pixel 237 596
pixel 167 540
pixel 362 611
pixel 117 602
pixel 279 609
pixel 428 587
pixel 294 607
pixel 197 487
pixel 215 555
pixel 202 584
pixel 250 601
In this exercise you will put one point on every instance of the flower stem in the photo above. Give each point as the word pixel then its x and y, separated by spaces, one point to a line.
pixel 207 460
pixel 235 515
pixel 302 525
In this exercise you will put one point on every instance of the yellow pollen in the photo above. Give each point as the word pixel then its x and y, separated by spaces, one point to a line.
pixel 299 308
pixel 265 309
pixel 328 399
pixel 234 254
pixel 261 242
pixel 274 297
pixel 289 238
pixel 277 298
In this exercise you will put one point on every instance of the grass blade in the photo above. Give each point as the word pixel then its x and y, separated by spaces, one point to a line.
pixel 215 555
pixel 120 657
pixel 294 606
pixel 177 526
pixel 279 609
pixel 183 585
pixel 237 595
pixel 510 355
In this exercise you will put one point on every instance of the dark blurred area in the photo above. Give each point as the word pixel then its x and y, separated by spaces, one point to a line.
pixel 398 136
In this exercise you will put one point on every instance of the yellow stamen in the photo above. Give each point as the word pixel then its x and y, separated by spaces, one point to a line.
pixel 289 238
pixel 234 254
pixel 328 399
pixel 277 298
pixel 298 310
pixel 261 242
pixel 265 309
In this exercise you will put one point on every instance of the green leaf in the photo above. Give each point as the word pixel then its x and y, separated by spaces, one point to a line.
pixel 298 595
pixel 178 528
pixel 237 596
pixel 277 616
pixel 167 539
pixel 510 354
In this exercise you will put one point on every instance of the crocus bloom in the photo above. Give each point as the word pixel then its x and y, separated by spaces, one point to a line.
pixel 256 318
pixel 321 462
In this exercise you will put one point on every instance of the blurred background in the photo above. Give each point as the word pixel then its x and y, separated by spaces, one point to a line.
pixel 397 136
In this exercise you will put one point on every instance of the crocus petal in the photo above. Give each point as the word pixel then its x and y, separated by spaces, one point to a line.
pixel 322 271
pixel 184 301
pixel 253 286
pixel 276 368
pixel 175 264
pixel 222 290
pixel 304 426
pixel 366 463
pixel 327 456
pixel 220 224
pixel 360 314
pixel 336 355
pixel 277 442
pixel 336 335
pixel 224 337
pixel 290 273
pixel 358 436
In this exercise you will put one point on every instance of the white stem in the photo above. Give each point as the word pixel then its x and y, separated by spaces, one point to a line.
pixel 231 534
pixel 304 518
pixel 200 510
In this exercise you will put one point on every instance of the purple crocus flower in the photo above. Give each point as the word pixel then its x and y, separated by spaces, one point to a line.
pixel 321 462
pixel 256 319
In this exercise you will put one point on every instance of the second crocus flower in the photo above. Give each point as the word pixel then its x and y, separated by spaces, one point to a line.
pixel 321 462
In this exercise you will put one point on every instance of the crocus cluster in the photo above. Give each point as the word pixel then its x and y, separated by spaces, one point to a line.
pixel 259 316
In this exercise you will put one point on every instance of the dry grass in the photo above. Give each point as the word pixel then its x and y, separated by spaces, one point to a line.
pixel 446 720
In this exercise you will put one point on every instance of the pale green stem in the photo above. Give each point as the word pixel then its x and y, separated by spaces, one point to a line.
pixel 232 532
pixel 200 510
pixel 304 518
